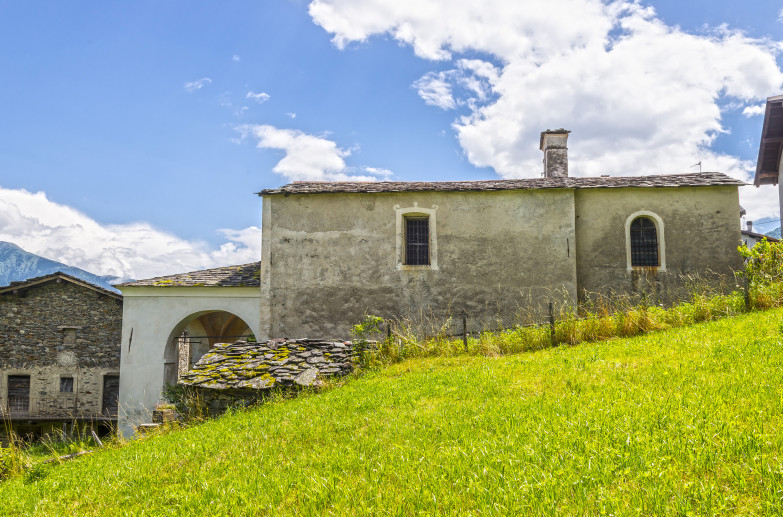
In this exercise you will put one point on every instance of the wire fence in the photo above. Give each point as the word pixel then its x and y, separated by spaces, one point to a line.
pixel 557 305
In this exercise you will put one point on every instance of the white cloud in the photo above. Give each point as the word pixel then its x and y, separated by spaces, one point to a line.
pixel 375 171
pixel 307 157
pixel 134 250
pixel 198 84
pixel 435 89
pixel 258 97
pixel 235 58
pixel 751 111
pixel 472 79
pixel 641 97
pixel 291 115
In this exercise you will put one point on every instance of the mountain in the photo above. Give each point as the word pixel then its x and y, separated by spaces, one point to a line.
pixel 17 264
pixel 774 233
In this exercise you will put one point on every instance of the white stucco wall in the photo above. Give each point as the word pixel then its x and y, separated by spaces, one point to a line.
pixel 151 316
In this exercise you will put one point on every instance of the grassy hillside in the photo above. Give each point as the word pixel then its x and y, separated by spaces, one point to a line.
pixel 687 421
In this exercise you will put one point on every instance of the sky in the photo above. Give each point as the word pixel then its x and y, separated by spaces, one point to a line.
pixel 134 135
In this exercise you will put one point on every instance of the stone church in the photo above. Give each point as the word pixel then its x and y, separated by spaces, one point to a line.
pixel 333 252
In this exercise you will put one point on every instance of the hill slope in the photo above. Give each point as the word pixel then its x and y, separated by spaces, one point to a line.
pixel 17 264
pixel 688 421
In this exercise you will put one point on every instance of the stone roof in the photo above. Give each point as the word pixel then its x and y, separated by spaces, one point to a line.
pixel 703 179
pixel 277 362
pixel 244 275
pixel 59 276
pixel 759 236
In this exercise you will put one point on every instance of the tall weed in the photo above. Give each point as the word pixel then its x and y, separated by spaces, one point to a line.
pixel 600 316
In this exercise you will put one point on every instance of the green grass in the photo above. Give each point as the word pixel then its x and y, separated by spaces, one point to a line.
pixel 683 422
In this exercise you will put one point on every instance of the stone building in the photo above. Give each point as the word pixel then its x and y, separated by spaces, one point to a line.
pixel 59 354
pixel 333 252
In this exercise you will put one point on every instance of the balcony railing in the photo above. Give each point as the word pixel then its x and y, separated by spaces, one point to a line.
pixel 48 407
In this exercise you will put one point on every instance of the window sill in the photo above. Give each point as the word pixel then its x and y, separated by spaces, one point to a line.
pixel 660 269
pixel 404 267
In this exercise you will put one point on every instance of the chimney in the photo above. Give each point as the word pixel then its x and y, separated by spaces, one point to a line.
pixel 553 143
pixel 749 226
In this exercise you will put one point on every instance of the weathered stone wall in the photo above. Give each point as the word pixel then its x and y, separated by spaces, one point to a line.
pixel 701 233
pixel 32 333
pixel 242 373
pixel 46 400
pixel 329 259
pixel 56 330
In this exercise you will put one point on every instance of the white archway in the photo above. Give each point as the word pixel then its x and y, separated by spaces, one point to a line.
pixel 153 317
pixel 195 335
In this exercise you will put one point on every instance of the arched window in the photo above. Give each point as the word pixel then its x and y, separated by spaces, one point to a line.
pixel 644 243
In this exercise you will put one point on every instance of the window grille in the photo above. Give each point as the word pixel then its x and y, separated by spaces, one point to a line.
pixel 66 384
pixel 644 243
pixel 417 241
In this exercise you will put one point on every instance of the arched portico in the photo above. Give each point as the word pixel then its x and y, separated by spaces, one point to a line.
pixel 195 335
pixel 155 317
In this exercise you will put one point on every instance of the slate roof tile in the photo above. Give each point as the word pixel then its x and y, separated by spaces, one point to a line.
pixel 702 179
pixel 244 275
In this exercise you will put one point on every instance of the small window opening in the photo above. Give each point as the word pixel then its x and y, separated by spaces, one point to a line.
pixel 66 384
pixel 644 243
pixel 417 241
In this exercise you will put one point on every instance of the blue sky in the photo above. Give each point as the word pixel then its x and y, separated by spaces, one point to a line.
pixel 135 134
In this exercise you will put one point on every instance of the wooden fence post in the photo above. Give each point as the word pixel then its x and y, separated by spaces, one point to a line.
pixel 552 323
pixel 465 332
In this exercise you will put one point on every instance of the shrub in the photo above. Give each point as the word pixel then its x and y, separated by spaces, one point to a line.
pixel 763 262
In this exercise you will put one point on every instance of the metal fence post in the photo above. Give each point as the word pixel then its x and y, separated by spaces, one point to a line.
pixel 465 332
pixel 552 323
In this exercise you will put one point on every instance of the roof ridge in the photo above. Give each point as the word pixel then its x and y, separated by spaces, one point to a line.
pixel 239 275
pixel 693 179
pixel 38 280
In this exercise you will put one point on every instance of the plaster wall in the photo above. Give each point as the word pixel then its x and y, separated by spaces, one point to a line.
pixel 152 316
pixel 700 233
pixel 328 259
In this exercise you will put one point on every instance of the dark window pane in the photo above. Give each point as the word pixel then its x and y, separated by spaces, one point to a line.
pixel 417 241
pixel 111 392
pixel 644 243
pixel 66 384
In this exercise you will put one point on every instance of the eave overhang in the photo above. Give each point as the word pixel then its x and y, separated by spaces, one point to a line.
pixel 771 144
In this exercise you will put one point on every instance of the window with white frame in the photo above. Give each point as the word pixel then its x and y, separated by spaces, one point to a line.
pixel 644 241
pixel 417 243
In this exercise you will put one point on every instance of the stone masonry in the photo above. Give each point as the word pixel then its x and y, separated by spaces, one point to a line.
pixel 241 373
pixel 57 327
